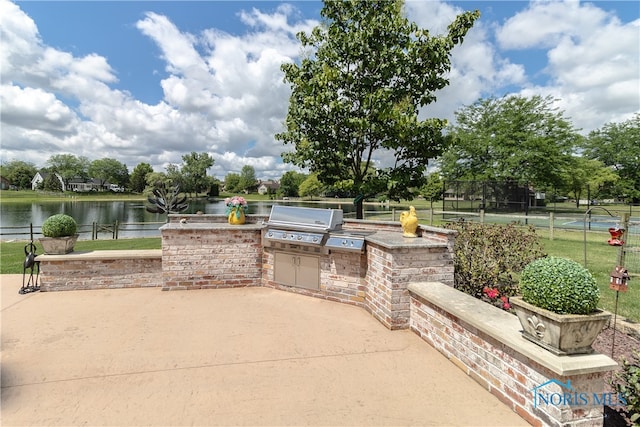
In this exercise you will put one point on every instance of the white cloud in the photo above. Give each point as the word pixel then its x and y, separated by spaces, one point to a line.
pixel 224 94
pixel 593 59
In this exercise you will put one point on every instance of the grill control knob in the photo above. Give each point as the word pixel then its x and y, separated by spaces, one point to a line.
pixel 315 240
pixel 299 237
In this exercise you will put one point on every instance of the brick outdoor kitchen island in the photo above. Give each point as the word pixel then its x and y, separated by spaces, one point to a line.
pixel 203 251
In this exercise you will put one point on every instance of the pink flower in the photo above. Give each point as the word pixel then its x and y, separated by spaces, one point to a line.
pixel 491 293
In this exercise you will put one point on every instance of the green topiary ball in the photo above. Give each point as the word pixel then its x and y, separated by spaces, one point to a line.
pixel 559 285
pixel 59 225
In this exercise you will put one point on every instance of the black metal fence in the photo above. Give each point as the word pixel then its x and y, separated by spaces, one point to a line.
pixel 93 231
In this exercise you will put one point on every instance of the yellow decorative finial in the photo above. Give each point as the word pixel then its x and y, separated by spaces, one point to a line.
pixel 409 222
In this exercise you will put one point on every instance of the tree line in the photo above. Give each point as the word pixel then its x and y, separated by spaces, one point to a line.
pixel 359 96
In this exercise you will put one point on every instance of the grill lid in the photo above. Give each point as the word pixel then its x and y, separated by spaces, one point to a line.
pixel 307 219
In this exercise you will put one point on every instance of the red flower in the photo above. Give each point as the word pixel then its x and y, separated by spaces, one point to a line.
pixel 491 293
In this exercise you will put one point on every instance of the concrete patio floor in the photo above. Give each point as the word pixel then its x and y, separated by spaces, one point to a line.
pixel 246 356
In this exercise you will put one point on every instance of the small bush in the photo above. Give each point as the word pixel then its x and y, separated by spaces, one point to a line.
pixel 491 256
pixel 59 225
pixel 627 383
pixel 559 285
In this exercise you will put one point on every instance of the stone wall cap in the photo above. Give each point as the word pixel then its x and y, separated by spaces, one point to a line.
pixel 505 328
pixel 103 255
pixel 209 226
pixel 395 240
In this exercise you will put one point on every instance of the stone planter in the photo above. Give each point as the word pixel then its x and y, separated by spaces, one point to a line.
pixel 58 245
pixel 561 334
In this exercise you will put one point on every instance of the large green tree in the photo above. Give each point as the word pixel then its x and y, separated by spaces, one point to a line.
pixel 617 145
pixel 589 178
pixel 19 173
pixel 232 183
pixel 109 170
pixel 310 187
pixel 367 71
pixel 513 138
pixel 69 166
pixel 290 183
pixel 138 178
pixel 247 178
pixel 194 171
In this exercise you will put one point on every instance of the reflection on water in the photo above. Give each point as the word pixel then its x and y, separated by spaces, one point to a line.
pixel 86 213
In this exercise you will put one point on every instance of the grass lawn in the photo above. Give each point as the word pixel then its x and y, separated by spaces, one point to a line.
pixel 12 254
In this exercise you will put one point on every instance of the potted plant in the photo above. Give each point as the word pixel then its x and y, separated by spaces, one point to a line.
pixel 558 307
pixel 236 207
pixel 59 233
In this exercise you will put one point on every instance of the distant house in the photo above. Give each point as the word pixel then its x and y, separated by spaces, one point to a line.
pixel 81 185
pixel 268 186
pixel 39 178
pixel 4 183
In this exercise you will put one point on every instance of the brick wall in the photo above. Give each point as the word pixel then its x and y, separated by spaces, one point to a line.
pixel 485 342
pixel 198 256
pixel 342 276
pixel 100 270
pixel 392 267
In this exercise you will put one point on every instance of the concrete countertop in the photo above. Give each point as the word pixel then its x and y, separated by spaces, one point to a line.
pixel 210 226
pixel 395 240
pixel 101 255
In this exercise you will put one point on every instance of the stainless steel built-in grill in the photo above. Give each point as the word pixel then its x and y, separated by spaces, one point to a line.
pixel 310 227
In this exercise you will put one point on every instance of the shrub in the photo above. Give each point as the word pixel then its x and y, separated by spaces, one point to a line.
pixel 627 384
pixel 559 285
pixel 59 225
pixel 489 256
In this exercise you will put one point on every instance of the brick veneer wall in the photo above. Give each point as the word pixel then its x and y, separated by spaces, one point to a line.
pixel 342 277
pixel 485 342
pixel 100 270
pixel 392 267
pixel 197 256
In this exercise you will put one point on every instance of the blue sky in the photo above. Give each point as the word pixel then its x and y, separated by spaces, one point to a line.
pixel 150 81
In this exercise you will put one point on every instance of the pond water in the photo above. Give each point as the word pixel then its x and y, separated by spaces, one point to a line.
pixel 16 218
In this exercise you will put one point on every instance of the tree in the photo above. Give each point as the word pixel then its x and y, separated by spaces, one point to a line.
pixel 358 91
pixel 310 187
pixel 109 170
pixel 19 173
pixel 513 138
pixel 588 173
pixel 52 183
pixel 69 166
pixel 290 182
pixel 247 178
pixel 617 145
pixel 137 180
pixel 432 189
pixel 194 171
pixel 232 183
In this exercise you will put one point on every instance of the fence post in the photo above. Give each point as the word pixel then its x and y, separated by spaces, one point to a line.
pixel 551 219
pixel 94 231
pixel 481 216
pixel 393 214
